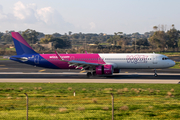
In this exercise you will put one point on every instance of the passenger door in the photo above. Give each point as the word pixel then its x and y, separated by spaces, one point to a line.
pixel 154 59
pixel 36 59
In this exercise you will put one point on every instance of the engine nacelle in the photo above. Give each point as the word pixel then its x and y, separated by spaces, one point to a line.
pixel 106 69
pixel 117 70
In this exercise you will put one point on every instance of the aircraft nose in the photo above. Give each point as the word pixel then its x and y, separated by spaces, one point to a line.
pixel 172 63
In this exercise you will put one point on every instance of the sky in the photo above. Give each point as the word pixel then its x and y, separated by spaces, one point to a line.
pixel 88 16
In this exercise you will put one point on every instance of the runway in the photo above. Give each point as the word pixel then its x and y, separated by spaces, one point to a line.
pixel 150 81
pixel 163 78
pixel 11 71
pixel 12 66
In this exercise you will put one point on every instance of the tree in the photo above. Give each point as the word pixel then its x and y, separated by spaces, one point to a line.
pixel 56 35
pixel 179 43
pixel 114 38
pixel 46 39
pixel 159 39
pixel 136 35
pixel 173 36
pixel 141 41
pixel 31 36
pixel 94 38
pixel 155 28
pixel 70 32
pixel 119 39
pixel 7 38
pixel 120 33
pixel 75 36
pixel 1 34
pixel 41 35
pixel 60 43
pixel 97 42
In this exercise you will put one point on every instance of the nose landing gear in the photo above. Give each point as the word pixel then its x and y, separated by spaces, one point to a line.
pixel 155 73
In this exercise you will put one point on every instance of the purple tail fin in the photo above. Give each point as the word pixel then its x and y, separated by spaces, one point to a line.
pixel 22 47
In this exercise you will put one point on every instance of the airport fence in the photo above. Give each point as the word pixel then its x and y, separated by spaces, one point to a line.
pixel 90 101
pixel 67 105
pixel 57 107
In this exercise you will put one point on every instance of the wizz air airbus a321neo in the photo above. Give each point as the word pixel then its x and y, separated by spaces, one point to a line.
pixel 95 64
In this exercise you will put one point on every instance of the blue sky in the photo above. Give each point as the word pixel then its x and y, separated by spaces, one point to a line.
pixel 88 16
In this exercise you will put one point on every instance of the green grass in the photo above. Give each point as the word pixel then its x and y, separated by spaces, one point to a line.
pixel 170 53
pixel 4 59
pixel 104 44
pixel 1 58
pixel 9 49
pixel 52 101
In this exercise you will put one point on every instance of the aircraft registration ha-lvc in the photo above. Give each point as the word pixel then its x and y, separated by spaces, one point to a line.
pixel 94 64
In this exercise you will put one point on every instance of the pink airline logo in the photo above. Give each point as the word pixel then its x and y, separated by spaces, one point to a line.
pixel 136 59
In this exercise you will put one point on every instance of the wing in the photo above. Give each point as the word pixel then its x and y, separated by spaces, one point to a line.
pixel 78 64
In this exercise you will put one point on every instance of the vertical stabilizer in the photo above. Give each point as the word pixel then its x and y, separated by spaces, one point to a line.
pixel 22 47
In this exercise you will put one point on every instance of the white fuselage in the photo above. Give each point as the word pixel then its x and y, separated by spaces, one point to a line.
pixel 137 60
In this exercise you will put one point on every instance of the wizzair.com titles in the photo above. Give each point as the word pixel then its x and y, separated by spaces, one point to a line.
pixel 57 57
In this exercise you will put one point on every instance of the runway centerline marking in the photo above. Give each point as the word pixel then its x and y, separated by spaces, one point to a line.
pixel 42 70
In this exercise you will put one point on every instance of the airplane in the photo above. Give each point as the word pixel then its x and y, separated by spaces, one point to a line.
pixel 100 64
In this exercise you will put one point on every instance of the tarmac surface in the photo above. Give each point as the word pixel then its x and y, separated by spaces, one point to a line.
pixel 11 71
pixel 12 66
pixel 149 81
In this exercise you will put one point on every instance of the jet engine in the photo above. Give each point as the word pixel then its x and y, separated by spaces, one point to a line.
pixel 104 69
pixel 117 70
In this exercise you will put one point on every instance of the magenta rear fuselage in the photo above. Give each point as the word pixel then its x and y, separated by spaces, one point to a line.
pixel 44 59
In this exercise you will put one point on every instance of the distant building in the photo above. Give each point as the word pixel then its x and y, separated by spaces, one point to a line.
pixel 11 46
pixel 91 44
pixel 8 45
pixel 49 45
pixel 46 46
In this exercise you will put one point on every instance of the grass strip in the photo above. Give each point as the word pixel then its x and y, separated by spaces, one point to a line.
pixel 49 101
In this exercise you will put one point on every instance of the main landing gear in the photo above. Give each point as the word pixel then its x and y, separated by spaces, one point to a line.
pixel 89 74
pixel 155 73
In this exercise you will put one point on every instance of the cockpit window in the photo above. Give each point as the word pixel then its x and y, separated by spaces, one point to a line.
pixel 165 58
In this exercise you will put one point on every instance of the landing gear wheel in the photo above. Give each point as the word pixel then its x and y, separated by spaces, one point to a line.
pixel 155 73
pixel 94 73
pixel 89 74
